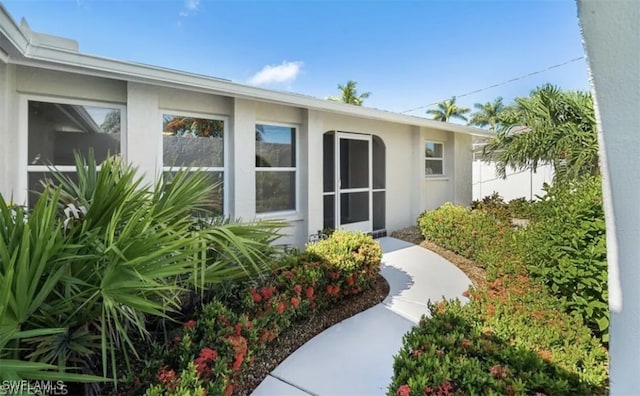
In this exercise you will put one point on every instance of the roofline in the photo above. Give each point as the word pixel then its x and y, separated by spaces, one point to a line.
pixel 46 56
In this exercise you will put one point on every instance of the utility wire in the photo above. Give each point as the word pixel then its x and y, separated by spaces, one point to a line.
pixel 501 83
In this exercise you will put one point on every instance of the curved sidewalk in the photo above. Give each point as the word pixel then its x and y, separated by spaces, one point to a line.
pixel 355 356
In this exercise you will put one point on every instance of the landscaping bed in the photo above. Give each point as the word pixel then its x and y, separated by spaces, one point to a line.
pixel 522 332
pixel 302 331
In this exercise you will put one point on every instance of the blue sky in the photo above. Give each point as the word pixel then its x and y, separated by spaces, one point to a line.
pixel 406 53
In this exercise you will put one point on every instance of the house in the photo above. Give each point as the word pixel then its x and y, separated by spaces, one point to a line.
pixel 274 155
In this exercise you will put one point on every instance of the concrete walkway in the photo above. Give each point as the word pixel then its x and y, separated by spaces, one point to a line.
pixel 355 356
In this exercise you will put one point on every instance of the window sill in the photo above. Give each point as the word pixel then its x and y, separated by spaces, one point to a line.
pixel 288 216
pixel 436 178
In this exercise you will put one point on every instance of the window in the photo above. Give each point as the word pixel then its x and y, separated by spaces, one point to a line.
pixel 196 142
pixel 58 130
pixel 434 160
pixel 275 168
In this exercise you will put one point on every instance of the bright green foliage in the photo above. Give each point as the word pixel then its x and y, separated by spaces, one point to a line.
pixel 245 317
pixel 566 249
pixel 464 231
pixel 32 251
pixel 548 127
pixel 351 253
pixel 513 337
pixel 98 258
pixel 510 341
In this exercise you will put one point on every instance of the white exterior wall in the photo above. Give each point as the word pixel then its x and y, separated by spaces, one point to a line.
pixel 518 184
pixel 462 157
pixel 612 41
pixel 436 190
pixel 401 187
pixel 408 193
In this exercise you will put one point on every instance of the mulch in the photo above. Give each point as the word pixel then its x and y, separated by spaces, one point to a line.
pixel 301 332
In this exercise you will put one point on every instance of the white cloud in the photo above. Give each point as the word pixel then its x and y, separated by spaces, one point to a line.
pixel 192 5
pixel 283 73
pixel 183 13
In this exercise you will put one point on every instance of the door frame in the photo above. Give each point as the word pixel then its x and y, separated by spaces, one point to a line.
pixel 364 226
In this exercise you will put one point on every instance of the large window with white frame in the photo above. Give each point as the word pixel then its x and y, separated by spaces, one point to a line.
pixel 196 141
pixel 276 168
pixel 57 129
pixel 433 159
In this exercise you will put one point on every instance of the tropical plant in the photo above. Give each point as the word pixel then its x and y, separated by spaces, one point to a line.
pixel 488 114
pixel 31 266
pixel 349 94
pixel 549 127
pixel 124 253
pixel 447 110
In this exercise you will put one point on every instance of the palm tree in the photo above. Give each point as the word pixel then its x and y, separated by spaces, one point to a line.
pixel 488 114
pixel 549 127
pixel 350 94
pixel 448 109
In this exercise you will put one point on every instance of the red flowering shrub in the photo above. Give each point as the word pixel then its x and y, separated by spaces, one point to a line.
pixel 223 337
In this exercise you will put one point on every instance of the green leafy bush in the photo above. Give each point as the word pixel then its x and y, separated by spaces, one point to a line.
pixel 464 231
pixel 566 249
pixel 353 255
pixel 494 205
pixel 513 337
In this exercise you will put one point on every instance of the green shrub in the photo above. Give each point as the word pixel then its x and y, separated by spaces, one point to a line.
pixel 513 337
pixel 521 208
pixel 502 343
pixel 566 249
pixel 464 231
pixel 352 259
pixel 494 205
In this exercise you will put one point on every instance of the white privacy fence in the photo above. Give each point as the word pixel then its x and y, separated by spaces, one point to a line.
pixel 518 184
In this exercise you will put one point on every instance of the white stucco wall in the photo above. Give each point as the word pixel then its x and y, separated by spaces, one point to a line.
pixel 518 184
pixel 408 192
pixel 611 34
pixel 401 186
pixel 436 190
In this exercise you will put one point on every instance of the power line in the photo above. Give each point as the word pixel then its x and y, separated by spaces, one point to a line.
pixel 502 83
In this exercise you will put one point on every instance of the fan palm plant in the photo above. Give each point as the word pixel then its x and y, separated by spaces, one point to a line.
pixel 128 252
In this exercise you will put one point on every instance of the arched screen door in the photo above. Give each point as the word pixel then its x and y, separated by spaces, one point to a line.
pixel 354 182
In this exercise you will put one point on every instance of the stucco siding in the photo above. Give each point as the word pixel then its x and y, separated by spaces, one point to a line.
pixel 400 180
pixel 436 190
pixel 176 100
pixel 275 113
pixel 407 193
pixel 34 81
pixel 462 156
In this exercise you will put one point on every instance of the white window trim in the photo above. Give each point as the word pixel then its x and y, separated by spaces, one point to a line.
pixel 225 151
pixel 293 214
pixel 425 158
pixel 24 168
